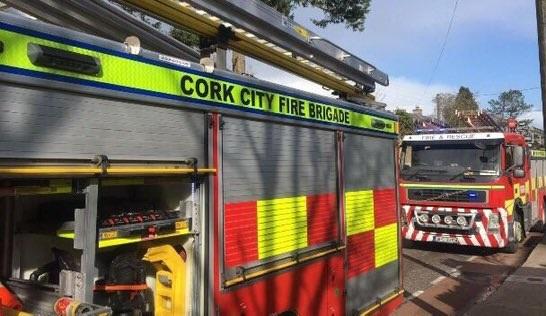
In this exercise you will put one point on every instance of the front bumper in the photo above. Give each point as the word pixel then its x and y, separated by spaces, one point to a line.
pixel 476 233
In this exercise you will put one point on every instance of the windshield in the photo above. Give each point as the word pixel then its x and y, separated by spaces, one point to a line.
pixel 450 162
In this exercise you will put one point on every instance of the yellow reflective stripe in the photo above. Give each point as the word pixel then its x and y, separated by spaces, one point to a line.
pixel 454 186
pixel 386 244
pixel 526 195
pixel 538 153
pixel 359 210
pixel 509 206
pixel 124 72
pixel 282 226
pixel 540 182
pixel 125 240
pixel 533 183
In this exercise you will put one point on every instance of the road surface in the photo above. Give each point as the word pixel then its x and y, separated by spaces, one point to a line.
pixel 447 280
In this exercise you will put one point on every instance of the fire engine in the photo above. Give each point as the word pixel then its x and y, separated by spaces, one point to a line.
pixel 133 182
pixel 475 186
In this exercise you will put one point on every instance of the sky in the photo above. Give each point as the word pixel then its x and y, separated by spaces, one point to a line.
pixel 492 47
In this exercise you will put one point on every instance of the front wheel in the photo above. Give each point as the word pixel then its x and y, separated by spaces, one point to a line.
pixel 518 233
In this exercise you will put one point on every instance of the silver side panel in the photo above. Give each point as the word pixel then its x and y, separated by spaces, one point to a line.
pixel 265 160
pixel 48 124
pixel 372 286
pixel 369 162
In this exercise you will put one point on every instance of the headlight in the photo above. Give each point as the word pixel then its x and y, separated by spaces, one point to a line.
pixel 493 222
pixel 461 220
pixel 423 218
pixel 448 220
pixel 436 219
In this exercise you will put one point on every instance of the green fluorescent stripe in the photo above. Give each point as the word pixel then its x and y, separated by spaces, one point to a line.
pixel 129 73
pixel 538 153
pixel 450 186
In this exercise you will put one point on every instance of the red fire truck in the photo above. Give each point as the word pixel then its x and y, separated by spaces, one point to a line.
pixel 476 188
pixel 138 183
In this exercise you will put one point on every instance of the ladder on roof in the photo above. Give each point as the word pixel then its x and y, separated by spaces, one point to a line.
pixel 98 17
pixel 257 30
pixel 478 119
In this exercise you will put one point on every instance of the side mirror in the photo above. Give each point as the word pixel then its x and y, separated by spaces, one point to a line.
pixel 519 173
pixel 518 156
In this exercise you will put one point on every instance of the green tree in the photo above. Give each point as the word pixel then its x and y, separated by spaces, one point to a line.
pixel 406 122
pixel 464 101
pixel 510 104
pixel 441 101
pixel 351 12
pixel 185 36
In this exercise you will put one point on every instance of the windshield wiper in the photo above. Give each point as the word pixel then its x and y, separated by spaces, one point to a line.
pixel 417 173
pixel 464 173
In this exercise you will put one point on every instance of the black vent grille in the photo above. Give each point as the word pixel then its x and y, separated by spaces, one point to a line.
pixel 469 196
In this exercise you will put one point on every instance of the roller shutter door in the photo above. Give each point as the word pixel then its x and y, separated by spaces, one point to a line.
pixel 44 124
pixel 279 188
pixel 371 219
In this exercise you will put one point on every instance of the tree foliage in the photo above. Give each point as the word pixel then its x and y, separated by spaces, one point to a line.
pixel 184 36
pixel 441 101
pixel 510 104
pixel 351 12
pixel 464 101
pixel 406 122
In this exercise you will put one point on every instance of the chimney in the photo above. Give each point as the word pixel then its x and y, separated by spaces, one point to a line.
pixel 418 111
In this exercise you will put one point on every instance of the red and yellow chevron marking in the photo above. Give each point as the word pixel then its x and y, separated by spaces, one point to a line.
pixel 359 211
pixel 372 229
pixel 282 226
pixel 386 244
pixel 258 230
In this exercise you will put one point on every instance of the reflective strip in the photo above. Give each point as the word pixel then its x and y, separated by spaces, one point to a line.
pixel 359 208
pixel 135 72
pixel 282 226
pixel 509 206
pixel 386 244
pixel 451 186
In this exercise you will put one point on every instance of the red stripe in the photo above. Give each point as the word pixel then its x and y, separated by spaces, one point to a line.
pixel 322 221
pixel 241 233
pixel 493 241
pixel 361 253
pixel 480 239
pixel 384 207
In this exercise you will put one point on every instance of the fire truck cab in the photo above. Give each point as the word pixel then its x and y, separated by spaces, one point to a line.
pixel 482 189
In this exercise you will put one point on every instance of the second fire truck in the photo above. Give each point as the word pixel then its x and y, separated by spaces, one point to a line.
pixel 471 187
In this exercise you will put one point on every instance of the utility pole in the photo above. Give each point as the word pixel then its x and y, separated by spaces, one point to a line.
pixel 541 24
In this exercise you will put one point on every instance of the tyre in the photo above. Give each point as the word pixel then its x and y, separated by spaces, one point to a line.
pixel 518 233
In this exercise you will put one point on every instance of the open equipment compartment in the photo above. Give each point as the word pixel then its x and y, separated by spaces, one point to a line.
pixel 95 232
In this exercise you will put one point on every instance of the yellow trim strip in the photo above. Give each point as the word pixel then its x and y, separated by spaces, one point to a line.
pixel 76 170
pixel 451 186
pixel 278 267
pixel 384 301
pixel 126 240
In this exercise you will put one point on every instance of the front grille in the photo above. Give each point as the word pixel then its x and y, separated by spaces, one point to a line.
pixel 450 195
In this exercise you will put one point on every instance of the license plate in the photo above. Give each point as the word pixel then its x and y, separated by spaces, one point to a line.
pixel 448 240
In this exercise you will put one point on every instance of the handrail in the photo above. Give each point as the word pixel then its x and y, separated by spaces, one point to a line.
pixel 90 170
